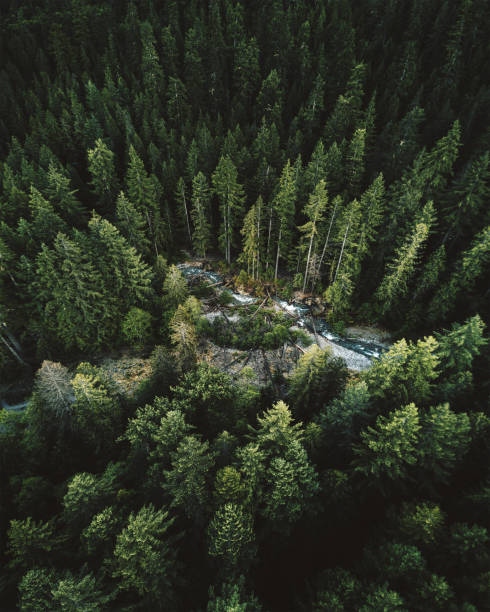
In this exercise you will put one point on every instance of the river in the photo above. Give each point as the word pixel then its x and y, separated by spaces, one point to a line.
pixel 357 352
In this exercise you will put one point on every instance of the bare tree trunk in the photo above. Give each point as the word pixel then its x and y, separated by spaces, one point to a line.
pixel 327 238
pixel 341 251
pixel 269 238
pixel 186 214
pixel 308 261
pixel 12 349
pixel 278 251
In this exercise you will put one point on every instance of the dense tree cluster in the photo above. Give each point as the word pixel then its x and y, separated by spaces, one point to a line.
pixel 335 148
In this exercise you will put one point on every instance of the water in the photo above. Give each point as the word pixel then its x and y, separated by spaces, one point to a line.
pixel 357 352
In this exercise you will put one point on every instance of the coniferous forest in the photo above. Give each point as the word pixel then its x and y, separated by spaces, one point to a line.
pixel 166 446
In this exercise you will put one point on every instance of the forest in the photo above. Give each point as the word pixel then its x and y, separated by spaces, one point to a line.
pixel 181 442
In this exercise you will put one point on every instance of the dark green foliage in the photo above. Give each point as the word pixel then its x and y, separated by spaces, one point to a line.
pixel 348 142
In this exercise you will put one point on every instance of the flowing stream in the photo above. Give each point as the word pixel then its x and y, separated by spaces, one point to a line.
pixel 357 352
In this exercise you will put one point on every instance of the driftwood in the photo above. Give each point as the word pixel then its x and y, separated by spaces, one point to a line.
pixel 265 300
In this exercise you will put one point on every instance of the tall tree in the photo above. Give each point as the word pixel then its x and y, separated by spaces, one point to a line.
pixel 201 237
pixel 284 205
pixel 314 213
pixel 230 197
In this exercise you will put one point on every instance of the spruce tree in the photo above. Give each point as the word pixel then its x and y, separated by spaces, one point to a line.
pixel 230 197
pixel 284 207
pixel 201 237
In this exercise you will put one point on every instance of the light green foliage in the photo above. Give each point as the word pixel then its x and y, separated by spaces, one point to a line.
pixel 231 536
pixel 175 287
pixel 78 594
pixel 187 479
pixel 171 430
pixel 251 238
pixel 383 599
pixel 405 372
pixel 390 448
pixel 276 430
pixel 421 523
pixel 35 590
pixel 61 195
pixel 29 542
pixel 86 495
pixel 184 338
pixel 101 532
pixel 96 412
pixel 372 208
pixel 201 236
pixel 144 556
pixel 141 429
pixel 228 487
pixel 251 460
pixel 136 327
pixel 394 285
pixel 314 213
pixel 232 598
pixel 436 592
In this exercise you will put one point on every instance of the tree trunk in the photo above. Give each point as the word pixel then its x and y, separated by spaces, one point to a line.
pixel 278 251
pixel 341 251
pixel 327 238
pixel 308 260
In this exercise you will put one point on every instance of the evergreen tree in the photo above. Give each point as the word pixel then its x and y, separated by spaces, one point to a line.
pixel 390 448
pixel 131 223
pixel 314 213
pixel 201 237
pixel 251 238
pixel 231 536
pixel 284 206
pixel 101 167
pixel 230 197
pixel 144 557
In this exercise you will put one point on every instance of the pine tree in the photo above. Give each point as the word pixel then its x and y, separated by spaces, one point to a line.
pixel 231 536
pixel 131 223
pixel 201 237
pixel 394 285
pixel 390 448
pixel 355 161
pixel 284 206
pixel 251 238
pixel 101 167
pixel 62 196
pixel 144 556
pixel 230 197
pixel 142 193
pixel 186 480
pixel 314 212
